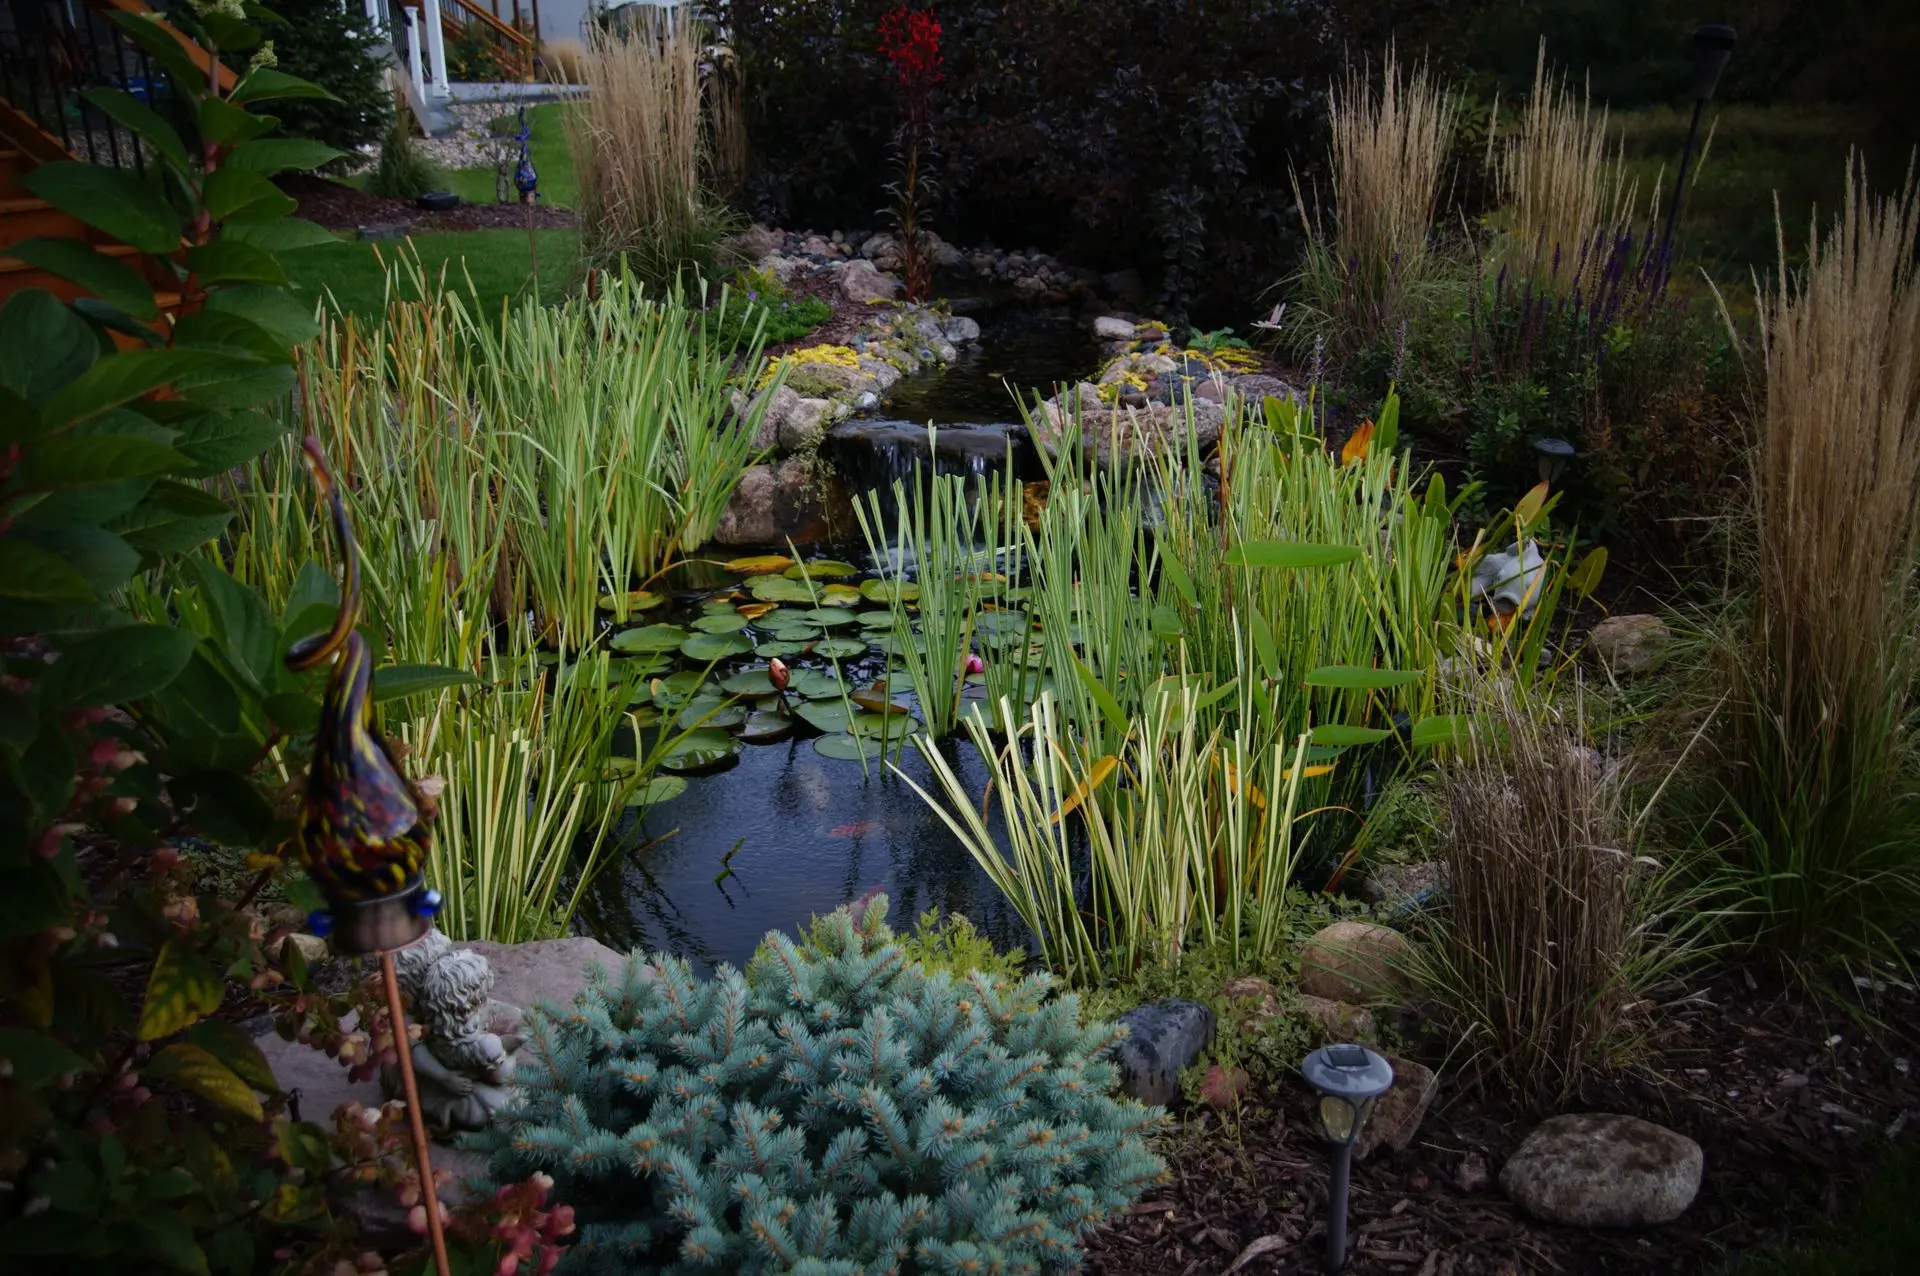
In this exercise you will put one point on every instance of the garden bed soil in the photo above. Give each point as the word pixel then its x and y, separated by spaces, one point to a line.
pixel 339 207
pixel 1786 1094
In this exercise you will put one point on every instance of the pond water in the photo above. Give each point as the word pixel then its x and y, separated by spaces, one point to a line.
pixel 788 831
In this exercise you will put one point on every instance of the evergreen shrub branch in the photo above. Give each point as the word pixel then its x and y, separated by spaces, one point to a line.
pixel 835 1108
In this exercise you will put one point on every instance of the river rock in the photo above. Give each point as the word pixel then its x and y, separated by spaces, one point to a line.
pixel 1125 433
pixel 1604 1170
pixel 861 281
pixel 960 330
pixel 1405 886
pixel 1397 1114
pixel 1162 1038
pixel 1356 962
pixel 1113 328
pixel 779 404
pixel 773 503
pixel 1261 1001
pixel 1630 644
pixel 751 245
pixel 1339 1022
pixel 806 424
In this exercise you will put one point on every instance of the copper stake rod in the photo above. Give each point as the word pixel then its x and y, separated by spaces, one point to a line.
pixel 422 1157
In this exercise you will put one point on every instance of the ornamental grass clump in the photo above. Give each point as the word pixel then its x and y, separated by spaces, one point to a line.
pixel 834 1109
pixel 1821 760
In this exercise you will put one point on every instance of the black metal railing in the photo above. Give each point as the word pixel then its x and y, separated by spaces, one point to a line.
pixel 53 51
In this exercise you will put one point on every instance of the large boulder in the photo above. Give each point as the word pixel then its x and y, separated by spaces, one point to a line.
pixel 806 425
pixel 1336 1021
pixel 1358 962
pixel 750 245
pixel 861 281
pixel 1124 434
pixel 1630 644
pixel 778 405
pixel 775 502
pixel 1162 1038
pixel 1604 1170
pixel 1113 328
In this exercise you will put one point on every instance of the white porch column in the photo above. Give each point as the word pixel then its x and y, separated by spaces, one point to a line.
pixel 437 50
pixel 373 15
pixel 410 18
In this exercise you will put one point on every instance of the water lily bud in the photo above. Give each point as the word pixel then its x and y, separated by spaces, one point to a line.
pixel 777 673
pixel 976 665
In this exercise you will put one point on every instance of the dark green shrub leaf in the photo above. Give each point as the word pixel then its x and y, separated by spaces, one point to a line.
pixel 90 460
pixel 265 83
pixel 231 192
pixel 242 626
pixel 31 574
pixel 121 379
pixel 303 1145
pixel 281 154
pixel 240 385
pixel 110 200
pixel 230 334
pixel 294 712
pixel 33 1059
pixel 276 234
pixel 217 441
pixel 165 1234
pixel 32 898
pixel 143 120
pixel 223 806
pixel 43 344
pixel 183 989
pixel 168 1185
pixel 395 681
pixel 236 1050
pixel 114 319
pixel 114 666
pixel 1441 729
pixel 224 124
pixel 163 45
pixel 107 278
pixel 231 262
pixel 279 312
pixel 173 518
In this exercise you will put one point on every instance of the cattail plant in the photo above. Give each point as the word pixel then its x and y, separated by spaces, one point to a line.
pixel 1822 756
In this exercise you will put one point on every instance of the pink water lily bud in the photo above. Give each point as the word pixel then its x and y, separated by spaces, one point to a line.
pixel 777 673
pixel 976 665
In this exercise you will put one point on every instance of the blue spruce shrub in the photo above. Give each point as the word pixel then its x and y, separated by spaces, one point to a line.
pixel 835 1111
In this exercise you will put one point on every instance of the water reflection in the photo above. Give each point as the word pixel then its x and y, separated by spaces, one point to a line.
pixel 811 833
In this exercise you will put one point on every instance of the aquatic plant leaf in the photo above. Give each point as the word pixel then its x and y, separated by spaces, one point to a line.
pixel 1338 735
pixel 780 647
pixel 710 647
pixel 824 715
pixel 697 750
pixel 1298 554
pixel 757 611
pixel 661 788
pixel 1096 776
pixel 637 600
pixel 874 699
pixel 826 616
pixel 886 591
pixel 1355 678
pixel 1441 728
pixel 882 725
pixel 648 638
pixel 777 589
pixel 758 564
pixel 725 622
pixel 754 683
pixel 846 748
pixel 820 569
pixel 840 596
pixel 766 726
pixel 787 631
pixel 839 648
pixel 875 619
pixel 812 684
pixel 710 711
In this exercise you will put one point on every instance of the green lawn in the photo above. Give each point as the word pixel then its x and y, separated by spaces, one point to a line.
pixel 498 263
pixel 546 146
pixel 1879 1236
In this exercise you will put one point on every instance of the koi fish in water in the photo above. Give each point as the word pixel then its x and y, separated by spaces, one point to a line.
pixel 857 828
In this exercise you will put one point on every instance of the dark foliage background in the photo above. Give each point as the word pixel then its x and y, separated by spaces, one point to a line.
pixel 1161 133
pixel 334 47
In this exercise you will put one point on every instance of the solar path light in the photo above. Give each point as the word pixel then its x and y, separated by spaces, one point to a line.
pixel 1349 1079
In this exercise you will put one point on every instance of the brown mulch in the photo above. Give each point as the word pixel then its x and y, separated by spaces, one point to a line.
pixel 1786 1095
pixel 339 207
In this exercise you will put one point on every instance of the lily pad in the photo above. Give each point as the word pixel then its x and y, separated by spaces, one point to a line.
pixel 839 596
pixel 766 726
pixel 875 619
pixel 636 600
pixel 721 622
pixel 724 602
pixel 645 666
pixel 675 689
pixel 643 717
pixel 882 726
pixel 779 647
pixel 758 564
pixel 777 589
pixel 881 591
pixel 710 647
pixel 829 616
pixel 661 788
pixel 874 700
pixel 839 648
pixel 846 748
pixel 811 684
pixel 716 713
pixel 789 632
pixel 649 638
pixel 699 750
pixel 754 683
pixel 821 569
pixel 824 715
pixel 757 611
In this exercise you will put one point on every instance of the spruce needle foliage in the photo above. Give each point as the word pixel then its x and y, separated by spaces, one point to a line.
pixel 832 1110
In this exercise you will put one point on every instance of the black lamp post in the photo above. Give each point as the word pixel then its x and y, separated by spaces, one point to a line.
pixel 1712 49
pixel 1349 1079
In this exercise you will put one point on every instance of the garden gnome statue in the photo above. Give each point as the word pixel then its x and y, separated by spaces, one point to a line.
pixel 465 1061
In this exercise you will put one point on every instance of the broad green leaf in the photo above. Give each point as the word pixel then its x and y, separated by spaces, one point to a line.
pixel 1339 736
pixel 33 1059
pixel 706 648
pixel 1356 678
pixel 276 234
pixel 74 460
pixel 43 345
pixel 215 442
pixel 224 806
pixel 165 1235
pixel 229 334
pixel 183 989
pixel 649 638
pixel 162 44
pixel 63 564
pixel 234 192
pixel 1530 506
pixel 758 564
pixel 109 279
pixel 824 715
pixel 242 626
pixel 1297 554
pixel 173 518
pixel 846 748
pixel 143 120
pixel 698 750
pixel 1585 577
pixel 264 83
pixel 121 379
pixel 224 124
pixel 1386 427
pixel 1441 729
pixel 1109 707
pixel 289 320
pixel 1182 582
pixel 239 384
pixel 111 200
pixel 114 666
pixel 236 1050
pixel 394 682
pixel 661 788
pixel 226 261
pixel 304 1146
pixel 280 154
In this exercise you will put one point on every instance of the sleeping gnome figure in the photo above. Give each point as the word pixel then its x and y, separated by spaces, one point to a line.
pixel 464 1062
